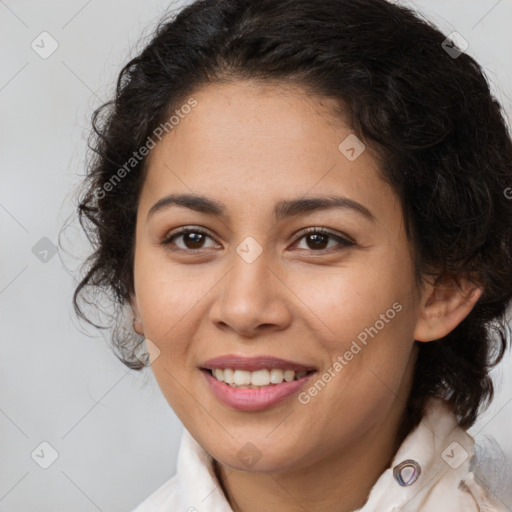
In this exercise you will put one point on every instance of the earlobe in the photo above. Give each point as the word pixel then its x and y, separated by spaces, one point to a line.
pixel 446 304
pixel 137 321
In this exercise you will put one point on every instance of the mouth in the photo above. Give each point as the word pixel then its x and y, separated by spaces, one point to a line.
pixel 257 388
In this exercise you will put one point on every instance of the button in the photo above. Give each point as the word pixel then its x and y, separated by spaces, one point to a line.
pixel 407 472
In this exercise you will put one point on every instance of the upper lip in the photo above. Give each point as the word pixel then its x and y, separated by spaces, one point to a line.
pixel 253 363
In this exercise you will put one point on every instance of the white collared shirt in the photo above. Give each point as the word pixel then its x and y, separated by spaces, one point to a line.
pixel 432 471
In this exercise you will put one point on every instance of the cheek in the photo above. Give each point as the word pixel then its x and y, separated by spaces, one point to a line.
pixel 366 315
pixel 345 301
pixel 164 295
pixel 371 362
pixel 165 288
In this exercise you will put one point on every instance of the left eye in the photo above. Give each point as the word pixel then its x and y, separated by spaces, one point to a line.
pixel 317 238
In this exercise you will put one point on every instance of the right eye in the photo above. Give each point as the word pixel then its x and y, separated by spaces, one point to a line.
pixel 192 239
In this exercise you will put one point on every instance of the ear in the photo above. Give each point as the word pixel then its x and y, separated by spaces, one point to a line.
pixel 137 321
pixel 444 305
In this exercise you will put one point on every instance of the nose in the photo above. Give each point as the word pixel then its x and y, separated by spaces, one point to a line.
pixel 251 299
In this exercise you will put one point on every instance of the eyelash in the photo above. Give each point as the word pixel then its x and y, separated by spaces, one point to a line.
pixel 343 242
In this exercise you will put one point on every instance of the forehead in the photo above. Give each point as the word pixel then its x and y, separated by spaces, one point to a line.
pixel 251 142
pixel 276 116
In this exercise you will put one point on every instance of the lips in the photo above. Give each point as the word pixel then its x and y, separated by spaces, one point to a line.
pixel 253 364
pixel 259 398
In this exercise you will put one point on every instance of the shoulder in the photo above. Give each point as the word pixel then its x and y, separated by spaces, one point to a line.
pixel 434 470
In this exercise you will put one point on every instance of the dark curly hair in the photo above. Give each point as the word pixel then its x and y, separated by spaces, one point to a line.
pixel 427 112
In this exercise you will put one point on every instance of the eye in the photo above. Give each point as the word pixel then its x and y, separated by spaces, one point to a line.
pixel 318 238
pixel 192 238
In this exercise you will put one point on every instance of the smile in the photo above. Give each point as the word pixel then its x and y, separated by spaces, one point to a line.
pixel 260 378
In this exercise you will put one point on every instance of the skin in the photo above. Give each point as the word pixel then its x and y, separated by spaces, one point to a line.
pixel 249 146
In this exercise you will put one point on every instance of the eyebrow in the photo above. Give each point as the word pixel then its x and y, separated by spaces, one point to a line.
pixel 282 209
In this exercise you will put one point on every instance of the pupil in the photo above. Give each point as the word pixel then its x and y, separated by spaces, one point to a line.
pixel 316 238
pixel 195 238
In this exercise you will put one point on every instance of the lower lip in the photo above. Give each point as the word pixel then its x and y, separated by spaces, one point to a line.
pixel 254 399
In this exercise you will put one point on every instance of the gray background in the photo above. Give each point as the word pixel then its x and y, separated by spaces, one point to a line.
pixel 115 435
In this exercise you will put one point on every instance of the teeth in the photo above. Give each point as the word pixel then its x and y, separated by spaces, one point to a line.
pixel 289 375
pixel 242 378
pixel 229 376
pixel 256 379
pixel 260 378
pixel 276 376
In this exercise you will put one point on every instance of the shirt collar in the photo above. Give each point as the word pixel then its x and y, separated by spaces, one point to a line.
pixel 437 450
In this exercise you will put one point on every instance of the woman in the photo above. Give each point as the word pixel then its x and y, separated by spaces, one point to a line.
pixel 303 204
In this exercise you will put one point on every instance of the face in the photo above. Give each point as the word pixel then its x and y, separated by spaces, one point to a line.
pixel 326 288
